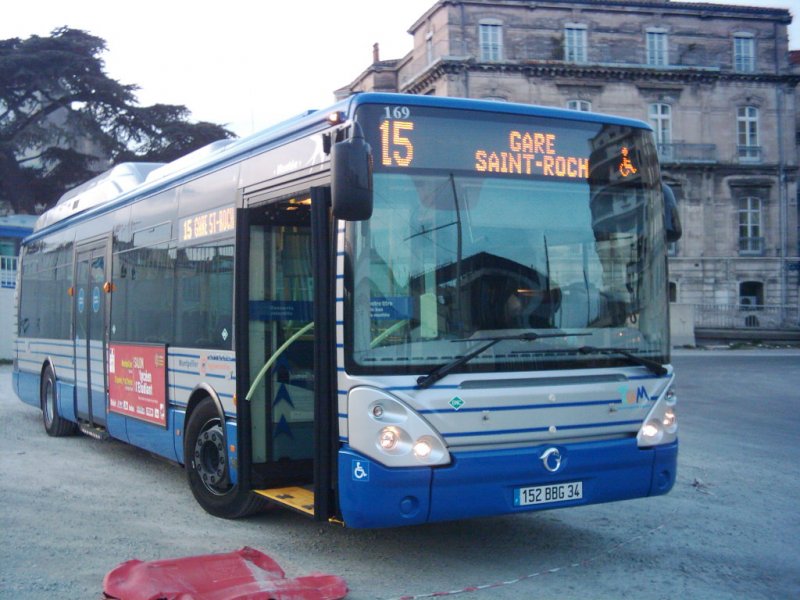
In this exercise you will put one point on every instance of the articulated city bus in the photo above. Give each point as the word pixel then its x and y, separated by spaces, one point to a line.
pixel 400 310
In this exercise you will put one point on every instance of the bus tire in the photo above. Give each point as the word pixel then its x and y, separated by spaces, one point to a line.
pixel 206 459
pixel 54 424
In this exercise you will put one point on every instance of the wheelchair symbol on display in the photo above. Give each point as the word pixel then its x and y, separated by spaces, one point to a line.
pixel 626 166
pixel 360 471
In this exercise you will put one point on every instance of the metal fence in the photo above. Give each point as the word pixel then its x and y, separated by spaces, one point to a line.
pixel 738 316
pixel 8 272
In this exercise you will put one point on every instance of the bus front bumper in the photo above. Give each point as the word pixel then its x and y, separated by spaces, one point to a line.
pixel 490 482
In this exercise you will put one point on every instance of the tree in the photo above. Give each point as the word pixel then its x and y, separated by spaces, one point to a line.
pixel 63 119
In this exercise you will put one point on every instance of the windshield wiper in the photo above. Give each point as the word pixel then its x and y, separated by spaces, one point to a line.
pixel 654 366
pixel 424 381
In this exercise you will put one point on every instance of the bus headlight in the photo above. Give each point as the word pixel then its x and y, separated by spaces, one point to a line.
pixel 670 420
pixel 651 432
pixel 661 425
pixel 392 433
pixel 388 438
pixel 422 449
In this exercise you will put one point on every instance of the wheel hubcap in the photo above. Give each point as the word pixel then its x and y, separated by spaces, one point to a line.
pixel 209 456
pixel 48 402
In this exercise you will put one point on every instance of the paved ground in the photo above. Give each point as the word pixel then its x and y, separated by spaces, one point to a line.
pixel 72 509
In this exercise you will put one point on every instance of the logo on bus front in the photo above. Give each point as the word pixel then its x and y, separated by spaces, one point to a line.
pixel 632 398
pixel 551 459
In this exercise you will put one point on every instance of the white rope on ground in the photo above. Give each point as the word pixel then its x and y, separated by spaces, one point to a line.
pixel 488 586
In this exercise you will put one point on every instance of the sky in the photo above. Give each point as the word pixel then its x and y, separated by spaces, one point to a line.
pixel 245 64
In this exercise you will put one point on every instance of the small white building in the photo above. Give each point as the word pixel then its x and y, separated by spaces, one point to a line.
pixel 13 228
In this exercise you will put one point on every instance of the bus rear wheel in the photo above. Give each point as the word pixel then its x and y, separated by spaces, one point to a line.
pixel 54 424
pixel 207 469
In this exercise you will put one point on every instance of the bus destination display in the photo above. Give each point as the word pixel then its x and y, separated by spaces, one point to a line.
pixel 543 148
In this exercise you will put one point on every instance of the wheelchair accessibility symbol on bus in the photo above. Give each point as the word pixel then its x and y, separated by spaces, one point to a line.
pixel 360 470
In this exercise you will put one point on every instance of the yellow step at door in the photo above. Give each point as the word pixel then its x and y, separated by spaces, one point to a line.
pixel 297 498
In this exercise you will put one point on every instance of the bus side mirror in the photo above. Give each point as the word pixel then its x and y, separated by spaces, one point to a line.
pixel 351 178
pixel 672 221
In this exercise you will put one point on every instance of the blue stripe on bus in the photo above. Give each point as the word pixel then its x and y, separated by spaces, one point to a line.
pixel 66 344
pixel 217 376
pixel 395 388
pixel 184 371
pixel 190 389
pixel 56 355
pixel 29 360
pixel 521 407
pixel 180 387
pixel 541 429
pixel 47 351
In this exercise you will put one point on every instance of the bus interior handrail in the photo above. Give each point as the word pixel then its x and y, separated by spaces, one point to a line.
pixel 274 357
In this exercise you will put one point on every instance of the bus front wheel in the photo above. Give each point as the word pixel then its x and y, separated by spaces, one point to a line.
pixel 207 469
pixel 54 424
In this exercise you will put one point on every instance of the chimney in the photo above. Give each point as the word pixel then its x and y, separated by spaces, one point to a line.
pixel 376 53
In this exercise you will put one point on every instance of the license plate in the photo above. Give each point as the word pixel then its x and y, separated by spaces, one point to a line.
pixel 545 494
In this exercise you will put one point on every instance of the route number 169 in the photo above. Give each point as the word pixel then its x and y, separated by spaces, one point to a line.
pixel 396 112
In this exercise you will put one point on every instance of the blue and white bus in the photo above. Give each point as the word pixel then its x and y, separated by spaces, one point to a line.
pixel 401 310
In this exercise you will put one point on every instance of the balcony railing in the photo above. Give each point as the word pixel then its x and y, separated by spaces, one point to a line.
pixel 748 154
pixel 8 272
pixel 680 152
pixel 743 316
pixel 751 246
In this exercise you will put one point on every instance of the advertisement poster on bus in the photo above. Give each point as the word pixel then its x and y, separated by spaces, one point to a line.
pixel 137 381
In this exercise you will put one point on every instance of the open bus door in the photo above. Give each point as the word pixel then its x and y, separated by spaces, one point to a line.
pixel 287 418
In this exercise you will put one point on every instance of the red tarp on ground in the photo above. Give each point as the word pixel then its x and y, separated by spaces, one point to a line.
pixel 245 574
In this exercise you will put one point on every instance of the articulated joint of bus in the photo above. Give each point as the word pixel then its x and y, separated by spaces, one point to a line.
pixel 661 425
pixel 390 432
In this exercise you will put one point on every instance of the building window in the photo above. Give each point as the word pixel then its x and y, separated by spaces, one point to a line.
pixel 657 48
pixel 575 43
pixel 750 232
pixel 751 295
pixel 491 41
pixel 744 53
pixel 581 105
pixel 660 116
pixel 429 47
pixel 673 291
pixel 747 134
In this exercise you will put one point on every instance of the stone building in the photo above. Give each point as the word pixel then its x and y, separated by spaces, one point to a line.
pixel 717 86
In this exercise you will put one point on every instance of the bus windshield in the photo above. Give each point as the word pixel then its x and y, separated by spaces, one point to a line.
pixel 462 249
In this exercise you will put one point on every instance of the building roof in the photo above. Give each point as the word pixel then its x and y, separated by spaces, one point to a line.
pixel 781 14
